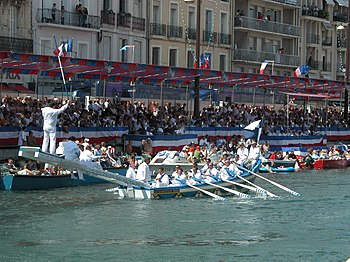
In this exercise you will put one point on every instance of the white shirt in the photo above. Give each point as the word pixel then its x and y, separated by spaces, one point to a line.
pixel 162 180
pixel 130 173
pixel 71 150
pixel 243 153
pixel 254 153
pixel 143 172
pixel 177 178
pixel 87 156
pixel 50 117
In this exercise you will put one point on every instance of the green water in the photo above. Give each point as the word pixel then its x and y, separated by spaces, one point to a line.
pixel 89 224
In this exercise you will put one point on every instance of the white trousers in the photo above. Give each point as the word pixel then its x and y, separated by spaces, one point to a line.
pixel 49 137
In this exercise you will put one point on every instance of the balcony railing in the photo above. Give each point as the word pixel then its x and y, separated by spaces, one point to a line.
pixel 288 2
pixel 318 65
pixel 138 23
pixel 258 56
pixel 158 29
pixel 191 33
pixel 108 17
pixel 314 12
pixel 16 44
pixel 124 19
pixel 175 31
pixel 224 39
pixel 46 16
pixel 210 37
pixel 340 18
pixel 312 39
pixel 327 41
pixel 341 44
pixel 266 25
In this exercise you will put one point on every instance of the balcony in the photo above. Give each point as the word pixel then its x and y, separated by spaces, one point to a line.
pixel 312 39
pixel 108 17
pixel 340 18
pixel 258 56
pixel 68 18
pixel 174 31
pixel 318 65
pixel 327 41
pixel 16 44
pixel 210 37
pixel 191 33
pixel 138 23
pixel 266 25
pixel 341 44
pixel 124 19
pixel 158 29
pixel 315 12
pixel 224 39
pixel 288 2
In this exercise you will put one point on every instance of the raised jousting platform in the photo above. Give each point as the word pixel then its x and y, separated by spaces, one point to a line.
pixel 35 153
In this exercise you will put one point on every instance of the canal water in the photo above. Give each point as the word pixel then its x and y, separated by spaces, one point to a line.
pixel 90 224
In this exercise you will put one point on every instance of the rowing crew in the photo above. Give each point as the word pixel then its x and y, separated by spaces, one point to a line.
pixel 209 173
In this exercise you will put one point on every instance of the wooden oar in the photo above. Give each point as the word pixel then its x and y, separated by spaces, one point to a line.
pixel 258 187
pixel 206 192
pixel 270 181
pixel 242 195
pixel 251 188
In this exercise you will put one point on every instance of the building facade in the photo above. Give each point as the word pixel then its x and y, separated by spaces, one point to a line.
pixel 235 35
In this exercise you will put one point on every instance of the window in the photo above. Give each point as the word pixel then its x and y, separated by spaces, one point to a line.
pixel 156 55
pixel 174 14
pixel 46 47
pixel 224 23
pixel 173 57
pixel 138 52
pixel 156 11
pixel 107 4
pixel 208 20
pixel 124 53
pixel 190 59
pixel 122 6
pixel 222 63
pixel 191 17
pixel 83 50
pixel 137 8
pixel 107 48
pixel 13 21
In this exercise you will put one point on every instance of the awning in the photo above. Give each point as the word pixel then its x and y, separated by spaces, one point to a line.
pixel 343 3
pixel 330 2
pixel 327 25
pixel 305 95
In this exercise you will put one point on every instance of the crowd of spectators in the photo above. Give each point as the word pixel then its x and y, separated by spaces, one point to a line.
pixel 143 118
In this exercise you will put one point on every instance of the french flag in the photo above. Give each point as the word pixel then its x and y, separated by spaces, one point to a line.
pixel 262 67
pixel 124 48
pixel 301 70
pixel 61 50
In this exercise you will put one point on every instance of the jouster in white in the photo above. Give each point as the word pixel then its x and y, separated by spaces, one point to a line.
pixel 143 172
pixel 50 121
pixel 162 178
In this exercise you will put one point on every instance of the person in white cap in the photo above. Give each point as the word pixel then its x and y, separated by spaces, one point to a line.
pixel 50 115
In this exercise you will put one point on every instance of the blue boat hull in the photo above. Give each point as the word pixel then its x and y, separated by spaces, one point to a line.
pixel 25 182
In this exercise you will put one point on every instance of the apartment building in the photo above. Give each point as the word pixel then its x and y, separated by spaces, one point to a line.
pixel 234 35
pixel 172 33
pixel 266 30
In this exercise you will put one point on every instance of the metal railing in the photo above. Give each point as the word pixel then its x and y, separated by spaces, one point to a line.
pixel 108 17
pixel 224 39
pixel 174 31
pixel 319 13
pixel 312 39
pixel 319 65
pixel 327 41
pixel 266 25
pixel 16 44
pixel 191 33
pixel 46 16
pixel 258 56
pixel 210 37
pixel 124 19
pixel 138 23
pixel 158 29
pixel 288 2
